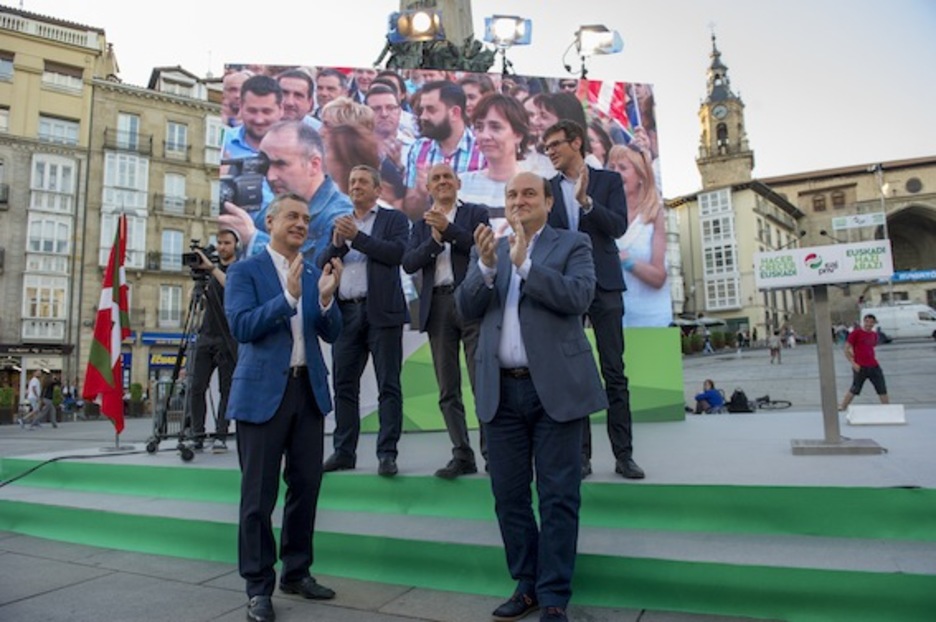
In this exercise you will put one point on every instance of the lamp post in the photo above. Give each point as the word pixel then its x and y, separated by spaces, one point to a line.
pixel 879 173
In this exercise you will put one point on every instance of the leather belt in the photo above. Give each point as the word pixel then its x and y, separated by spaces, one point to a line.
pixel 515 372
pixel 352 301
pixel 298 370
pixel 443 289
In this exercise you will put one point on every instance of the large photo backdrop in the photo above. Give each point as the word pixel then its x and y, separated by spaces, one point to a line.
pixel 488 127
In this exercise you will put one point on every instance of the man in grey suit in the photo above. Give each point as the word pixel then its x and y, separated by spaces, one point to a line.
pixel 536 380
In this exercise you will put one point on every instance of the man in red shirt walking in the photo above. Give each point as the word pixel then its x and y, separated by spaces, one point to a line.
pixel 859 350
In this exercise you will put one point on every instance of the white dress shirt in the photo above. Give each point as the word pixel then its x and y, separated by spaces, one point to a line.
pixel 511 352
pixel 297 357
pixel 444 273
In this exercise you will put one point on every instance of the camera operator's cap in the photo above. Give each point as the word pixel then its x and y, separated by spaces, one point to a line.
pixel 45 370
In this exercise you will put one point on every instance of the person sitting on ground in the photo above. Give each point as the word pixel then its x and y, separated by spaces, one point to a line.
pixel 709 400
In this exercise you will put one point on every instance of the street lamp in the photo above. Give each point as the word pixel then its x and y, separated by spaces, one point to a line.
pixel 826 234
pixel 505 31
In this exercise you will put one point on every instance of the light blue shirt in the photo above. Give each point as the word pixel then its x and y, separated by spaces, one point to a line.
pixel 327 204
pixel 354 276
pixel 573 207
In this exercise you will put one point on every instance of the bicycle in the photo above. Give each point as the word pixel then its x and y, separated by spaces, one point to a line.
pixel 765 403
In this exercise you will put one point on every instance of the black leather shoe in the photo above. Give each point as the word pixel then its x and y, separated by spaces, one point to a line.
pixel 519 606
pixel 553 614
pixel 456 468
pixel 260 609
pixel 308 587
pixel 337 462
pixel 629 469
pixel 586 468
pixel 387 467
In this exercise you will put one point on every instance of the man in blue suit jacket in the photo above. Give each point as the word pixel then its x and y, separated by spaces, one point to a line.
pixel 536 384
pixel 370 242
pixel 278 306
pixel 593 202
pixel 439 246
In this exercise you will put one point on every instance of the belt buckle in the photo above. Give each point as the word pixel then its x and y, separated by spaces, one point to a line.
pixel 296 370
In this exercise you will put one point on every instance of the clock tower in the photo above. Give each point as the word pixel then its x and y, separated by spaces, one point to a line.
pixel 724 155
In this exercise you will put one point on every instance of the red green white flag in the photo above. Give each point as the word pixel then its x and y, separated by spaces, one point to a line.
pixel 104 375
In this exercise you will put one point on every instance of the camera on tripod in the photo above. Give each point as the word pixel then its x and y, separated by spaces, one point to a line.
pixel 194 262
pixel 243 183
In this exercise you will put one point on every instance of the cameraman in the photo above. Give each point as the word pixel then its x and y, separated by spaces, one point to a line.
pixel 215 348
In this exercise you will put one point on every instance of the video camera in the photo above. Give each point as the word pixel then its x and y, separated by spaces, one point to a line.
pixel 193 261
pixel 243 184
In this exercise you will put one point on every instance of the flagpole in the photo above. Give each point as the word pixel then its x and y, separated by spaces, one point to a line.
pixel 104 377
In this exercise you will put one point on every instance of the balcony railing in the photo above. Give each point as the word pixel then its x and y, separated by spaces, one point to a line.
pixel 176 151
pixel 128 141
pixel 161 262
pixel 769 210
pixel 179 206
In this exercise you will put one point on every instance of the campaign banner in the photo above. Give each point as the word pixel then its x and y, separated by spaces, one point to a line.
pixel 836 263
pixel 488 127
pixel 857 221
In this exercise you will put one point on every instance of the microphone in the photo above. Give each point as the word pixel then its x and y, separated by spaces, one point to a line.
pixel 799 236
pixel 825 233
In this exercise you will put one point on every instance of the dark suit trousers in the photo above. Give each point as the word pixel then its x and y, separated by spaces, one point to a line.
pixel 358 339
pixel 296 431
pixel 446 331
pixel 210 354
pixel 521 438
pixel 606 314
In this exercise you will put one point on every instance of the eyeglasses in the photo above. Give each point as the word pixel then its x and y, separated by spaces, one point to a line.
pixel 384 109
pixel 552 146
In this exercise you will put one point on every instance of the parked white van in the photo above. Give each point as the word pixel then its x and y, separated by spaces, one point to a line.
pixel 904 320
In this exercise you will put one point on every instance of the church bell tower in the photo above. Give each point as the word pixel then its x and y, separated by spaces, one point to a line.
pixel 725 158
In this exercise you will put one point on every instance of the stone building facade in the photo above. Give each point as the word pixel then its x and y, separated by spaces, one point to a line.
pixel 736 215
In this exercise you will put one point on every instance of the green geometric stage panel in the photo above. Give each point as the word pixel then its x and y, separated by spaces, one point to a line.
pixel 653 359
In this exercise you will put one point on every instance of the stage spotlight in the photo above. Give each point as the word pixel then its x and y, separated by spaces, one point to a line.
pixel 507 30
pixel 415 25
pixel 597 39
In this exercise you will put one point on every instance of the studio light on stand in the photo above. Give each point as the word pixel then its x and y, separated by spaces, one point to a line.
pixel 592 40
pixel 506 31
pixel 415 25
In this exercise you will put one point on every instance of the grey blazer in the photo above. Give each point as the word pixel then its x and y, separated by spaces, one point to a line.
pixel 558 291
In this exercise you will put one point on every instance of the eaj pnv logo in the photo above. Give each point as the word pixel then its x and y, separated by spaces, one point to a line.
pixel 813 261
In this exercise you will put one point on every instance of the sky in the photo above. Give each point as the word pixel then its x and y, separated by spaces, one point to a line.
pixel 825 83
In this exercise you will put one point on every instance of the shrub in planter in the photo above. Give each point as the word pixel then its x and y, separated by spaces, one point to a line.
pixel 7 405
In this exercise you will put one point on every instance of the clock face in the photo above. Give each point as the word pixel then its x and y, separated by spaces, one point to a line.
pixel 720 112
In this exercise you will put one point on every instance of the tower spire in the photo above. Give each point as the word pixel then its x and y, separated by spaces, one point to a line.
pixel 719 87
